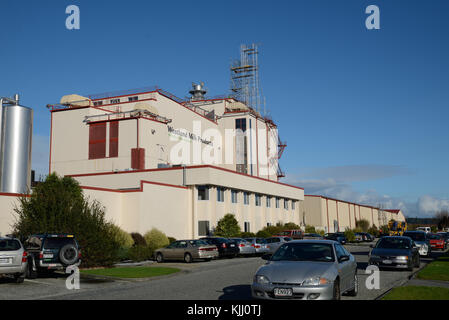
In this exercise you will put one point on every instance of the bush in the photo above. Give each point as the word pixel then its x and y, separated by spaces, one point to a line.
pixel 310 229
pixel 384 230
pixel 373 230
pixel 122 237
pixel 228 227
pixel 362 224
pixel 156 239
pixel 247 235
pixel 171 240
pixel 138 239
pixel 263 234
pixel 58 205
pixel 349 234
pixel 140 253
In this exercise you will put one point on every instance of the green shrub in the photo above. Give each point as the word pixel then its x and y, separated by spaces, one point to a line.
pixel 310 229
pixel 171 240
pixel 374 231
pixel 156 239
pixel 228 227
pixel 247 235
pixel 263 234
pixel 58 205
pixel 139 253
pixel 122 237
pixel 138 239
pixel 363 224
pixel 349 234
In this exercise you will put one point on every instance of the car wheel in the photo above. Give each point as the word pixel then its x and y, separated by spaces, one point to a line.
pixel 355 291
pixel 337 294
pixel 68 254
pixel 187 258
pixel 30 273
pixel 19 278
pixel 159 258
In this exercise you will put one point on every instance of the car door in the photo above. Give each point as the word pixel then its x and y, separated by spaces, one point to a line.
pixel 345 268
pixel 179 250
pixel 169 251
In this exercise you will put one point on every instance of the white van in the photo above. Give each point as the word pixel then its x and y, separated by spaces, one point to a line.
pixel 425 229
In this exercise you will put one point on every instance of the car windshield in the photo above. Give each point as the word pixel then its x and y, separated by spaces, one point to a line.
pixel 56 243
pixel 416 236
pixel 394 243
pixel 287 239
pixel 9 245
pixel 304 252
pixel 435 237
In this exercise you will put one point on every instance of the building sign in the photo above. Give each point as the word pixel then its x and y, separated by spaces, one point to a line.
pixel 187 135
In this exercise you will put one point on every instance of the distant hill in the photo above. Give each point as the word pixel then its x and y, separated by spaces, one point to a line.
pixel 421 221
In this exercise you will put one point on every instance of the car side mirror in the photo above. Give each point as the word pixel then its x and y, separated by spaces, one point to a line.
pixel 267 256
pixel 343 259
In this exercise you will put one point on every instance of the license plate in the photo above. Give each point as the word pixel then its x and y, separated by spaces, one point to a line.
pixel 283 292
pixel 5 260
pixel 48 255
pixel 387 262
pixel 232 245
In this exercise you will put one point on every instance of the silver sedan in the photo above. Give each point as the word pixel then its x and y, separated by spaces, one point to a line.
pixel 307 269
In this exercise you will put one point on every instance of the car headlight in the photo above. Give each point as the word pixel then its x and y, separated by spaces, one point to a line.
pixel 315 281
pixel 261 279
pixel 402 258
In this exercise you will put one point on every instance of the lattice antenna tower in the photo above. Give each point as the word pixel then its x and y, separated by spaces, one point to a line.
pixel 245 77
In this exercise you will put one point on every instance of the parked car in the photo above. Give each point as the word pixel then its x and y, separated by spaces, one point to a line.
pixel 395 252
pixel 13 259
pixel 308 270
pixel 421 240
pixel 358 237
pixel 245 247
pixel 226 247
pixel 294 234
pixel 187 250
pixel 366 237
pixel 335 237
pixel 313 236
pixel 260 244
pixel 445 235
pixel 49 252
pixel 425 229
pixel 273 243
pixel 437 241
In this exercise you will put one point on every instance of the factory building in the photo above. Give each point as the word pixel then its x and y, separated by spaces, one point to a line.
pixel 154 160
pixel 333 215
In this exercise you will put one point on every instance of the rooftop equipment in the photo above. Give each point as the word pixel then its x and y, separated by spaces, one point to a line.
pixel 198 91
pixel 16 123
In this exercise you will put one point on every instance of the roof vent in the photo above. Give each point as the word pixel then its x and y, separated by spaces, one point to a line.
pixel 198 91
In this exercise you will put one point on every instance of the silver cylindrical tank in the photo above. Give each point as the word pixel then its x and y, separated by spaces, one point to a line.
pixel 15 154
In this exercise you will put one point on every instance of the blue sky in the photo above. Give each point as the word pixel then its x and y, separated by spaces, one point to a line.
pixel 364 112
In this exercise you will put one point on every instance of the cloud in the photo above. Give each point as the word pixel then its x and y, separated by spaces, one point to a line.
pixel 429 205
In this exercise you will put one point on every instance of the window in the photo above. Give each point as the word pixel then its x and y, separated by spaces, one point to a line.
pixel 234 194
pixel 203 228
pixel 268 224
pixel 220 194
pixel 113 139
pixel 286 204
pixel 112 101
pixel 241 146
pixel 97 140
pixel 293 205
pixel 268 202
pixel 98 103
pixel 246 198
pixel 247 227
pixel 277 202
pixel 135 98
pixel 203 193
pixel 258 200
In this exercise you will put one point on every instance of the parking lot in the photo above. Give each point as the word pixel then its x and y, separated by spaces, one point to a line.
pixel 217 279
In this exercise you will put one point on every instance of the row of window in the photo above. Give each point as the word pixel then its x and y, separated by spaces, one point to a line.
pixel 204 227
pixel 203 194
pixel 116 100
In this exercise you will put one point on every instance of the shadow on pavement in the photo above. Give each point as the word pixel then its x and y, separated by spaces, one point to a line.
pixel 238 292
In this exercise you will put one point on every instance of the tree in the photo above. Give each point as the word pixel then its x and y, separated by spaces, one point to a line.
pixel 228 227
pixel 442 218
pixel 58 205
pixel 362 224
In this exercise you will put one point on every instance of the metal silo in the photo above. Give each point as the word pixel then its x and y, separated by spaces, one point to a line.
pixel 16 139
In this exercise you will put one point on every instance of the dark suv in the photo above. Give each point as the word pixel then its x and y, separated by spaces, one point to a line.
pixel 226 247
pixel 47 252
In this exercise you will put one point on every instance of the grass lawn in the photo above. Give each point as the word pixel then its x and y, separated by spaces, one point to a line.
pixel 418 293
pixel 132 272
pixel 436 270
